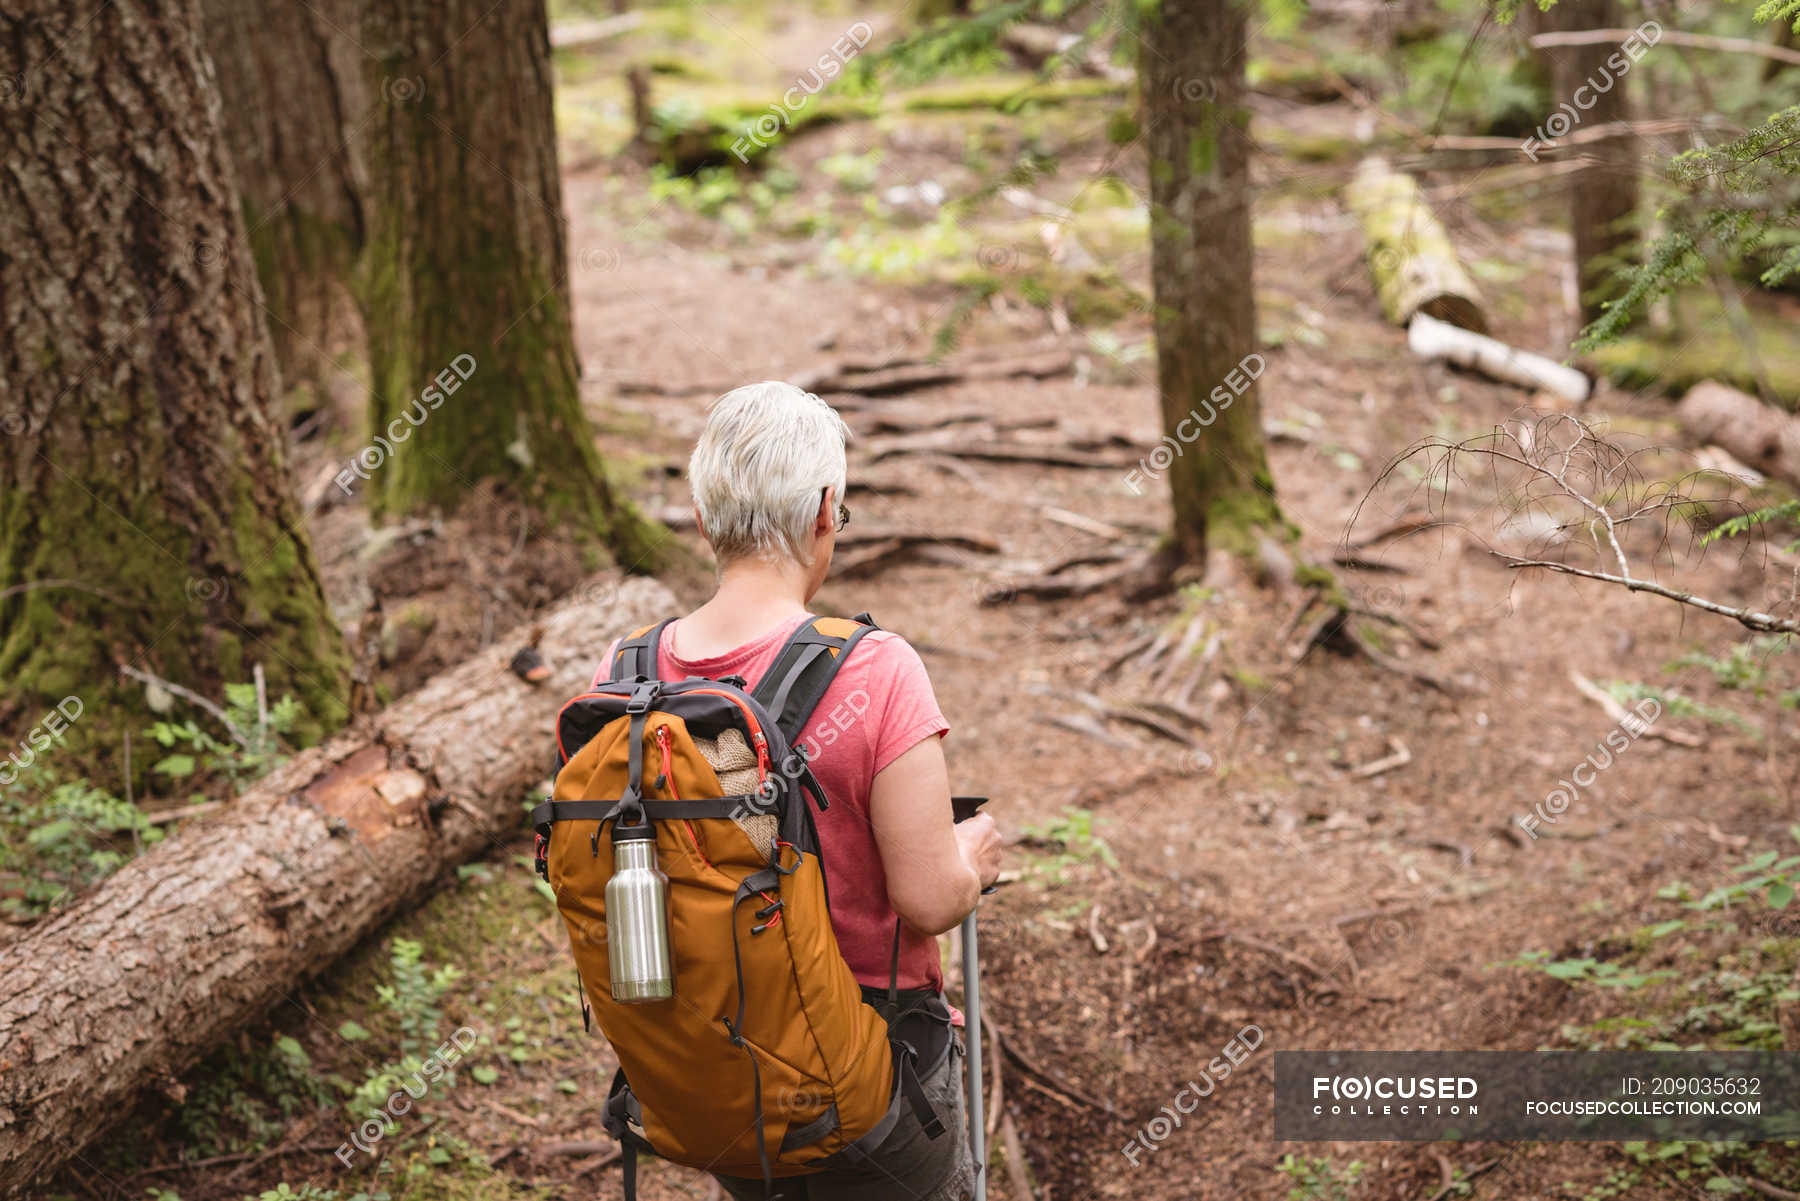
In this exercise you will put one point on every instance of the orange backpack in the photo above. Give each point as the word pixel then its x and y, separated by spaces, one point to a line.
pixel 766 1061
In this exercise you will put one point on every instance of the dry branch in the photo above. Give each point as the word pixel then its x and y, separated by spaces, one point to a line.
pixel 871 551
pixel 1081 723
pixel 1624 717
pixel 1017 1172
pixel 1750 619
pixel 1399 757
pixel 1066 1089
pixel 585 35
pixel 1699 41
pixel 1580 137
pixel 954 444
pixel 894 381
pixel 190 942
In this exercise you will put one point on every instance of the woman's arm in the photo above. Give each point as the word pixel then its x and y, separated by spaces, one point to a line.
pixel 935 868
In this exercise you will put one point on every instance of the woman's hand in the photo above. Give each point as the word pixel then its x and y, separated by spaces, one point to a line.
pixel 934 870
pixel 979 839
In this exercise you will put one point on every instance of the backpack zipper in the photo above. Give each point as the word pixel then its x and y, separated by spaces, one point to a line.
pixel 668 761
pixel 762 755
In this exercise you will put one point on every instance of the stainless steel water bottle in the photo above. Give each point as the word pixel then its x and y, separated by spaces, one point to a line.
pixel 637 919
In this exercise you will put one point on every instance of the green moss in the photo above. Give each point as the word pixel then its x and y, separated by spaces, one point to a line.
pixel 1306 147
pixel 1237 520
pixel 515 412
pixel 1316 575
pixel 1253 681
pixel 199 605
pixel 1702 346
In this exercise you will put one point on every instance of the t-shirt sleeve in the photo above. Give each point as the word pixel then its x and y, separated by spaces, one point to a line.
pixel 907 711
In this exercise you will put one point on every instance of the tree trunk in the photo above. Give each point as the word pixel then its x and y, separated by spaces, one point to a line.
pixel 145 507
pixel 1603 197
pixel 467 270
pixel 291 79
pixel 1191 71
pixel 637 85
pixel 204 933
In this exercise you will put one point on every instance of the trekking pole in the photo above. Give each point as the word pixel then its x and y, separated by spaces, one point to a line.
pixel 972 1021
pixel 965 807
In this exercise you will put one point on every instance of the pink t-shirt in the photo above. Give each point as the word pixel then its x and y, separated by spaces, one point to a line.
pixel 879 706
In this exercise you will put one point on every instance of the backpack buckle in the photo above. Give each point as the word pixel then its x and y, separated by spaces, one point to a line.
pixel 541 860
pixel 643 695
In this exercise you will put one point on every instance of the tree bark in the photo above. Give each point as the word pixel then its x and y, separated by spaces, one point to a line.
pixel 294 97
pixel 468 257
pixel 146 515
pixel 1603 197
pixel 1752 432
pixel 205 932
pixel 1191 71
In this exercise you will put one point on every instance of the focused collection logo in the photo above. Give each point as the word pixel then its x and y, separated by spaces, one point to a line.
pixel 1387 1096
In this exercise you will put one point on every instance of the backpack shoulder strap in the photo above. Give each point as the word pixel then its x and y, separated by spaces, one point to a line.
pixel 637 654
pixel 804 668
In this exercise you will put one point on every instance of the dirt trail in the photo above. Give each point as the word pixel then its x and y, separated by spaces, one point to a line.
pixel 1284 891
pixel 1168 896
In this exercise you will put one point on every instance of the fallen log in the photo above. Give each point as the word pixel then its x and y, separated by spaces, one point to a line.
pixel 1746 428
pixel 1411 258
pixel 195 939
pixel 1432 339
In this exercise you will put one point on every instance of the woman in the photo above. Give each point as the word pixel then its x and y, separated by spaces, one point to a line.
pixel 768 481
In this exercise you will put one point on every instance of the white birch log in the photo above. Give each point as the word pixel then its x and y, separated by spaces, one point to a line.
pixel 1436 340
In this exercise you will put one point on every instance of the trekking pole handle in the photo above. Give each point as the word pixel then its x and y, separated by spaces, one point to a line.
pixel 962 808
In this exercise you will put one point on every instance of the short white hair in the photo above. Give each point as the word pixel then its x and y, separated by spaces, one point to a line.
pixel 766 453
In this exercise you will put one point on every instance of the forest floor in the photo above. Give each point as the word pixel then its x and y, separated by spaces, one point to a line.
pixel 1166 896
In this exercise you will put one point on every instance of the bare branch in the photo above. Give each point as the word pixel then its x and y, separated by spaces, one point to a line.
pixel 192 697
pixel 1765 623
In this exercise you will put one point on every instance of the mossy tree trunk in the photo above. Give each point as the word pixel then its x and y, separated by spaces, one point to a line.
pixel 1191 72
pixel 186 945
pixel 146 516
pixel 1603 196
pixel 292 86
pixel 467 270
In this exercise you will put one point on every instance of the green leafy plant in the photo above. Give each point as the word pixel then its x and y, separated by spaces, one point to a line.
pixel 412 1000
pixel 1317 1178
pixel 59 837
pixel 1073 835
pixel 1601 973
pixel 1677 704
pixel 194 750
pixel 1743 523
pixel 244 1099
pixel 1769 875
pixel 1745 666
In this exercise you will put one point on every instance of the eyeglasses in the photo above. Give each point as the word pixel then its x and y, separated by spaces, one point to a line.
pixel 843 511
